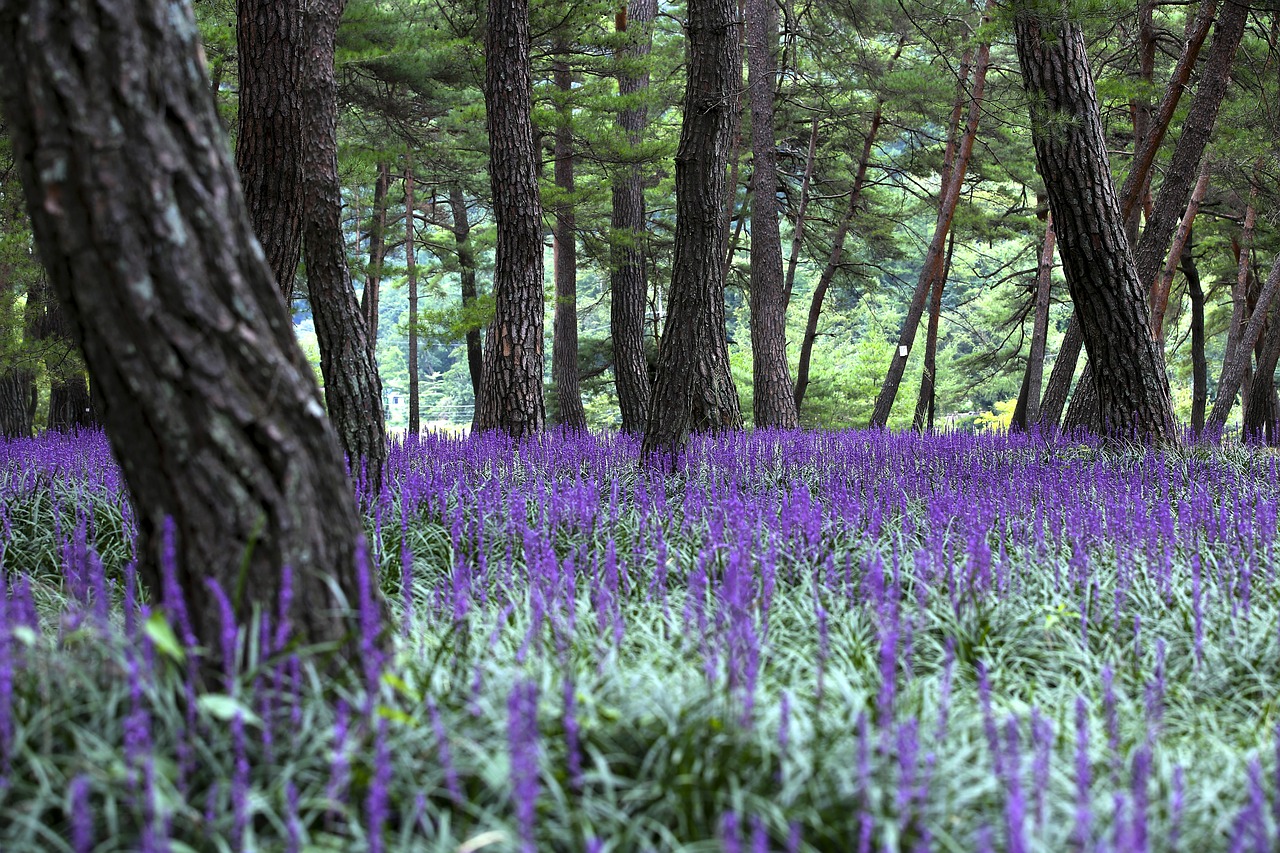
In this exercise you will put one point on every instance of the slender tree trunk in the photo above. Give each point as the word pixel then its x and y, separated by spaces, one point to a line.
pixel 1199 366
pixel 735 91
pixel 837 246
pixel 629 286
pixel 1261 412
pixel 411 273
pixel 933 261
pixel 797 230
pixel 923 418
pixel 352 389
pixel 694 391
pixel 511 390
pixel 1240 292
pixel 564 335
pixel 467 277
pixel 1105 287
pixel 1140 105
pixel 70 406
pixel 270 42
pixel 1027 410
pixel 738 221
pixel 774 404
pixel 1064 369
pixel 1238 360
pixel 377 255
pixel 1160 289
pixel 137 212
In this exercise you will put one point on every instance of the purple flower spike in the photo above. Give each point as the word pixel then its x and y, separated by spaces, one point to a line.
pixel 81 817
pixel 522 740
pixel 730 838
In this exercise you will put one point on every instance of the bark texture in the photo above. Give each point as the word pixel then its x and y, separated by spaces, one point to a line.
pixel 270 42
pixel 467 280
pixel 628 284
pixel 352 388
pixel 511 394
pixel 773 401
pixel 209 403
pixel 694 391
pixel 564 332
pixel 1109 296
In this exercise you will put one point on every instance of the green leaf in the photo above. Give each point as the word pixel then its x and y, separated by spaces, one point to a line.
pixel 225 708
pixel 161 635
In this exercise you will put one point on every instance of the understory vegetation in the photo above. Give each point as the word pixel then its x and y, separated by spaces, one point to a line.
pixel 794 641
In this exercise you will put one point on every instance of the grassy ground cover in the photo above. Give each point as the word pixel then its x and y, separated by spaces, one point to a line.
pixel 792 641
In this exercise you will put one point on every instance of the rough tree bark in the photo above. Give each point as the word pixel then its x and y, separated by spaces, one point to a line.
pixel 564 241
pixel 352 388
pixel 511 394
pixel 411 285
pixel 138 216
pixel 467 278
pixel 952 183
pixel 837 245
pixel 270 41
pixel 628 284
pixel 1027 410
pixel 773 402
pixel 1108 294
pixel 694 391
pixel 377 255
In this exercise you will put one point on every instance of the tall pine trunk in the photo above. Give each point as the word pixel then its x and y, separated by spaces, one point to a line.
pixel 774 404
pixel 931 269
pixel 511 393
pixel 377 255
pixel 564 334
pixel 270 41
pixel 411 284
pixel 1108 293
pixel 137 212
pixel 352 388
pixel 1199 365
pixel 1027 410
pixel 922 420
pixel 694 391
pixel 467 281
pixel 628 282
pixel 802 211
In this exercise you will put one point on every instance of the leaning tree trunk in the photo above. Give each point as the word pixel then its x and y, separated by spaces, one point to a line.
pixel 1027 410
pixel 694 391
pixel 774 404
pixel 352 389
pixel 922 420
pixel 270 41
pixel 802 212
pixel 628 284
pixel 467 278
pixel 1199 366
pixel 377 255
pixel 564 239
pixel 1164 283
pixel 138 216
pixel 1239 358
pixel 931 270
pixel 511 394
pixel 1109 296
pixel 1058 390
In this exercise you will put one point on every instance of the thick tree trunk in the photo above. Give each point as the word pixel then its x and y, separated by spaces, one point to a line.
pixel 1239 358
pixel 139 219
pixel 352 389
pixel 694 391
pixel 922 420
pixel 773 402
pixel 377 255
pixel 1199 366
pixel 1261 411
pixel 270 41
pixel 1109 296
pixel 564 334
pixel 1027 410
pixel 802 211
pixel 837 246
pixel 952 183
pixel 628 285
pixel 467 278
pixel 17 402
pixel 411 284
pixel 70 406
pixel 511 393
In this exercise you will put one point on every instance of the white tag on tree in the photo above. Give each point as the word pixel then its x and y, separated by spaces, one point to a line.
pixel 902 351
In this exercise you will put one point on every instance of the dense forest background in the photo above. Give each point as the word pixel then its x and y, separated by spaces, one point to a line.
pixel 866 95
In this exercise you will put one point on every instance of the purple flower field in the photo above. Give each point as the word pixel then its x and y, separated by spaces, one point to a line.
pixel 790 642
